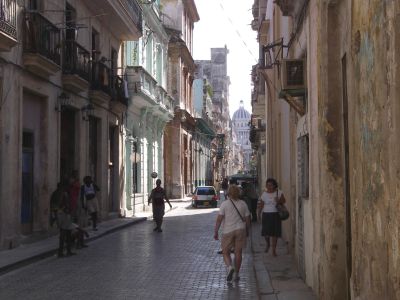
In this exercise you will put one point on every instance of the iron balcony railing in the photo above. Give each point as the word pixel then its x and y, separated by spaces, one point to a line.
pixel 42 37
pixel 76 60
pixel 101 77
pixel 135 12
pixel 104 80
pixel 119 90
pixel 8 17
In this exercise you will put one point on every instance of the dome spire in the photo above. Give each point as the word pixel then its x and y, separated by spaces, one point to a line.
pixel 241 103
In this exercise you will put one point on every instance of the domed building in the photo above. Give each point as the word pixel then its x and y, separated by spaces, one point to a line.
pixel 241 124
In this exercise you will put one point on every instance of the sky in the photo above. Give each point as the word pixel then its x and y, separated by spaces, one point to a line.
pixel 227 22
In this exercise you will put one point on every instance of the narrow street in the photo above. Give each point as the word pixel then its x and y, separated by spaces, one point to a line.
pixel 137 263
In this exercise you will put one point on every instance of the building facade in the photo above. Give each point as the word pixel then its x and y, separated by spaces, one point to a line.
pixel 150 108
pixel 215 70
pixel 179 17
pixel 204 134
pixel 325 126
pixel 62 105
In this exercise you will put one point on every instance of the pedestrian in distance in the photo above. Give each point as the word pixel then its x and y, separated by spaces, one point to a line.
pixel 234 216
pixel 271 222
pixel 89 200
pixel 157 197
pixel 73 191
pixel 251 198
pixel 224 186
pixel 55 203
pixel 64 222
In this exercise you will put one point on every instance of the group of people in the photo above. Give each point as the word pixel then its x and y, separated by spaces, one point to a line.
pixel 235 217
pixel 72 206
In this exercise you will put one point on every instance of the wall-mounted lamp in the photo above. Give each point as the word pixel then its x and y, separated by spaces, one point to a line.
pixel 131 138
pixel 200 150
pixel 87 111
pixel 183 118
pixel 63 100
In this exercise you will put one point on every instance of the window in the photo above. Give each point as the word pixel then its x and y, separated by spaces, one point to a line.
pixel 34 4
pixel 205 191
pixel 149 54
pixel 135 169
pixel 93 146
pixel 95 44
pixel 159 63
pixel 70 19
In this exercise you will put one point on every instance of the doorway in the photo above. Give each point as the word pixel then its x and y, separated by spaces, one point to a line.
pixel 346 192
pixel 67 143
pixel 34 156
pixel 94 129
pixel 27 182
pixel 185 164
pixel 113 169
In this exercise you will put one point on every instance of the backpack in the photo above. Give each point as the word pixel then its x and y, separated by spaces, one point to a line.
pixel 158 196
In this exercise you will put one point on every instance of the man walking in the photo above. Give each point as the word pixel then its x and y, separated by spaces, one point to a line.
pixel 157 197
pixel 235 219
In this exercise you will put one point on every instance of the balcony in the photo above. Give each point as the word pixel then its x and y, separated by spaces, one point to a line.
pixel 101 83
pixel 291 7
pixel 165 101
pixel 140 82
pixel 42 45
pixel 8 24
pixel 123 17
pixel 76 67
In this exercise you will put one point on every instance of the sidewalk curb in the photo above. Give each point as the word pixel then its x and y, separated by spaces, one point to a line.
pixel 36 257
pixel 263 279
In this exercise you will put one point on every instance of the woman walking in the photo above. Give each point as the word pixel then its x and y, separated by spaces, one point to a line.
pixel 235 219
pixel 271 222
pixel 89 199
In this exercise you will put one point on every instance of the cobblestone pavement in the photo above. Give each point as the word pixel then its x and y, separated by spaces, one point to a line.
pixel 137 263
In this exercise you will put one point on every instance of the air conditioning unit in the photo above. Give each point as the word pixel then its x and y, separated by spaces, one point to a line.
pixel 293 74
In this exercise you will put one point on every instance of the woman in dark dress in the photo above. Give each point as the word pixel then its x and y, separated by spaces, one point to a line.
pixel 271 222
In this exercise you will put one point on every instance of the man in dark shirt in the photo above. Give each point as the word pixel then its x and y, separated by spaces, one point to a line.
pixel 157 197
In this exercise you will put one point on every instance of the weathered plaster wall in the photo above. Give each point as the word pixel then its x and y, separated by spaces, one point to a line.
pixel 376 166
pixel 327 124
pixel 17 80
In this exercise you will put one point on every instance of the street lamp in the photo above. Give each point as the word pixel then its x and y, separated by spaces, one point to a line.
pixel 87 111
pixel 63 100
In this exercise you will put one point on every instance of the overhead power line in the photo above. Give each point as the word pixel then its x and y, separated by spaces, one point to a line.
pixel 237 31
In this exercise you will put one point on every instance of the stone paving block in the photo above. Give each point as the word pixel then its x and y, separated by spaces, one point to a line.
pixel 137 263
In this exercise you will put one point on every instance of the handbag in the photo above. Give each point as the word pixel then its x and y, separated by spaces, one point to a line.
pixel 243 219
pixel 282 210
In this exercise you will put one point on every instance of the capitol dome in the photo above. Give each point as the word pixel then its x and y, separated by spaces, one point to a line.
pixel 241 113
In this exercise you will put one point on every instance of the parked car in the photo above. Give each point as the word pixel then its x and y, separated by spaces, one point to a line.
pixel 204 196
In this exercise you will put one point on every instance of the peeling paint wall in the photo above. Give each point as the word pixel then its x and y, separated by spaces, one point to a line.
pixel 351 224
pixel 375 155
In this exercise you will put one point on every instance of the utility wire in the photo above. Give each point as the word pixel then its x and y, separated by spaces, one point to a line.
pixel 237 31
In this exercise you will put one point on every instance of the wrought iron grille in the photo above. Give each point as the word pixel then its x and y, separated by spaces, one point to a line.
pixel 41 36
pixel 8 17
pixel 76 60
pixel 101 77
pixel 119 90
pixel 135 12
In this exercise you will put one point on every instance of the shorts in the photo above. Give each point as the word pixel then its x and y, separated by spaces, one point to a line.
pixel 92 205
pixel 235 239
